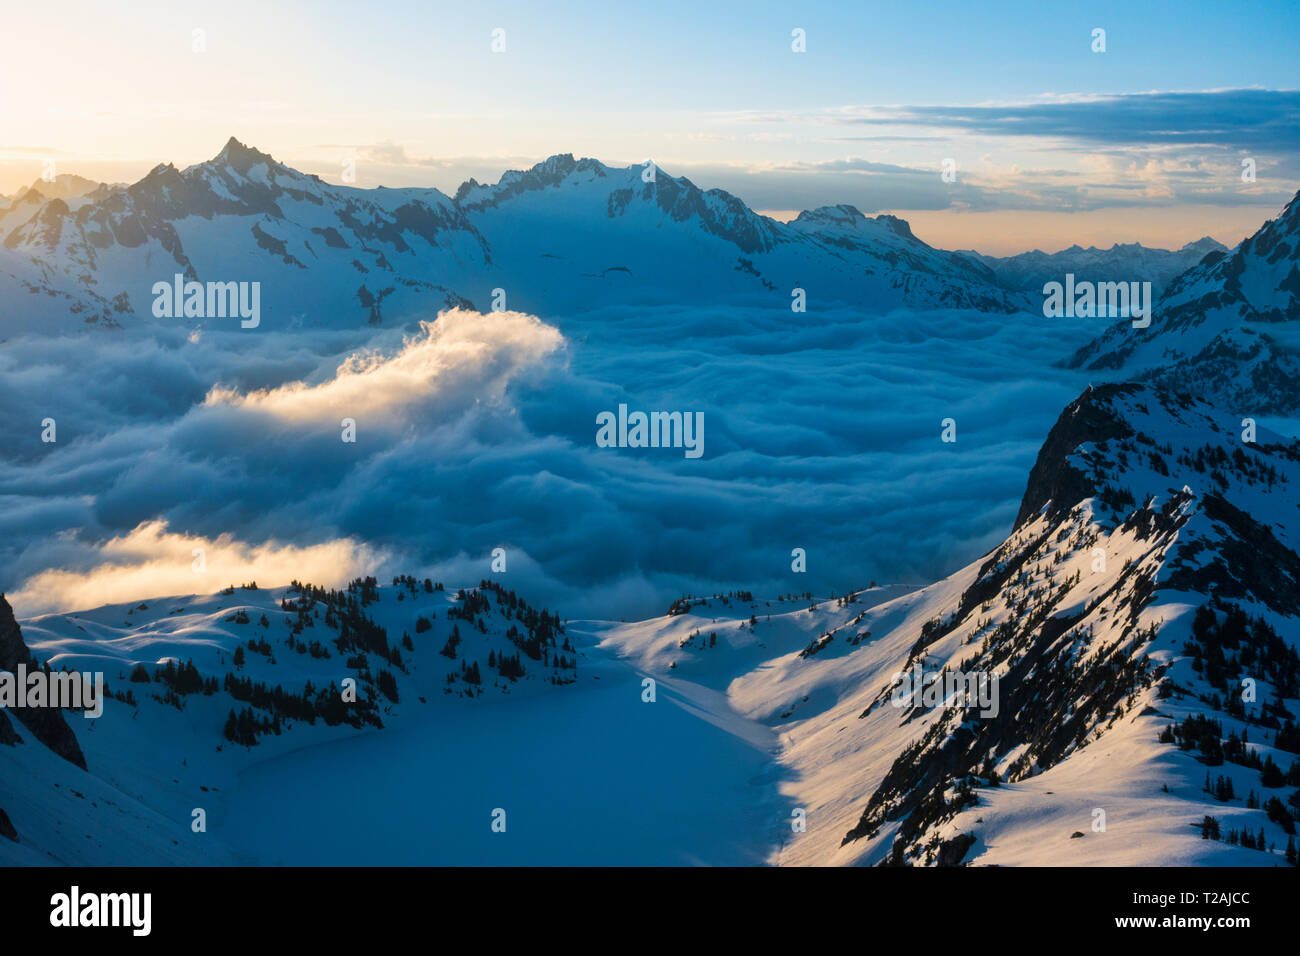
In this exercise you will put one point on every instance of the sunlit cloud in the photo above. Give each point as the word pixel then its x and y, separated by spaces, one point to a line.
pixel 151 561
pixel 464 358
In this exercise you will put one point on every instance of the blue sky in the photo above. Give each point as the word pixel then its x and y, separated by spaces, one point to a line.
pixel 736 56
pixel 414 94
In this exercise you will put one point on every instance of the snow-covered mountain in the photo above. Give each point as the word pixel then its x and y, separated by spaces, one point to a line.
pixel 1141 620
pixel 567 234
pixel 1128 261
pixel 204 687
pixel 1225 330
pixel 240 217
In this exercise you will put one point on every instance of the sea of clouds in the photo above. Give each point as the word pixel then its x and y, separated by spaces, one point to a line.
pixel 477 431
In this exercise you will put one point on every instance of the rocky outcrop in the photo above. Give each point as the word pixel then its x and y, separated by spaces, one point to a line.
pixel 46 723
pixel 1054 479
pixel 1199 528
pixel 8 736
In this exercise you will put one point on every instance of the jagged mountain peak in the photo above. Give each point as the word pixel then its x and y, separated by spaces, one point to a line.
pixel 63 186
pixel 563 233
pixel 164 174
pixel 241 158
pixel 1124 444
pixel 550 172
pixel 1055 483
pixel 901 227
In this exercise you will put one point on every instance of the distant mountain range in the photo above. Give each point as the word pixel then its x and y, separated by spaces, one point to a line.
pixel 573 235
pixel 62 186
pixel 567 234
pixel 1029 271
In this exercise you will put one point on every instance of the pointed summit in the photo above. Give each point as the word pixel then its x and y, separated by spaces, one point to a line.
pixel 1204 245
pixel 235 155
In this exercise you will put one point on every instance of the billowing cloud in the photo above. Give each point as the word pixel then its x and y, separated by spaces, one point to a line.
pixel 150 561
pixel 463 358
pixel 477 432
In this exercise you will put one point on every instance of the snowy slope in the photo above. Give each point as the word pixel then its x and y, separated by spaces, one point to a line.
pixel 565 234
pixel 160 748
pixel 1227 330
pixel 1095 660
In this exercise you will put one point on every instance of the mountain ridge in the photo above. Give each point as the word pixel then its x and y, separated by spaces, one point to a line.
pixel 1226 328
pixel 1117 616
pixel 362 256
pixel 1029 271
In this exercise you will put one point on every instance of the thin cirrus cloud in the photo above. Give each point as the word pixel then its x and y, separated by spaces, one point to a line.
pixel 1058 152
pixel 1242 119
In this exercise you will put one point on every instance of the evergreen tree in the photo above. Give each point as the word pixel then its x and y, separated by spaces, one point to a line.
pixel 1271 774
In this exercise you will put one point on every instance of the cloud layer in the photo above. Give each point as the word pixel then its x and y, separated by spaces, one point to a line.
pixel 476 432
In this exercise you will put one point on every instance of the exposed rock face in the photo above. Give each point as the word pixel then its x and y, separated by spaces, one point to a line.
pixel 1199 526
pixel 1054 479
pixel 8 736
pixel 46 723
pixel 6 827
